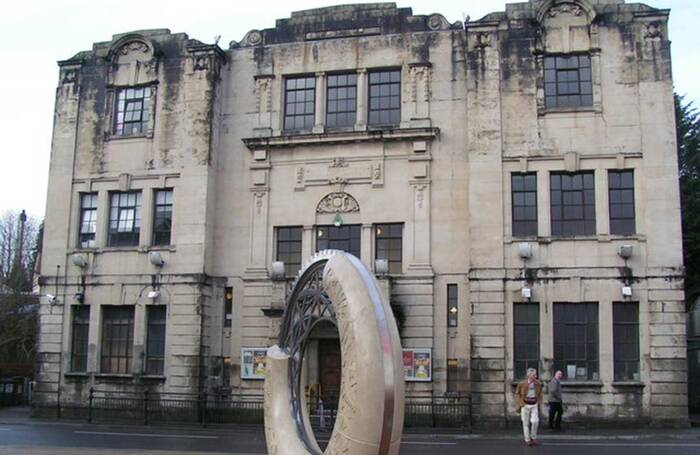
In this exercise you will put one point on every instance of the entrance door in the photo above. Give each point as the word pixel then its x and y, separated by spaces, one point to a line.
pixel 329 369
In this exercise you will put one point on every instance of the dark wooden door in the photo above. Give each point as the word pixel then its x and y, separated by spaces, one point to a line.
pixel 329 369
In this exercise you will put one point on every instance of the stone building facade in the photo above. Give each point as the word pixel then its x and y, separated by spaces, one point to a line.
pixel 511 180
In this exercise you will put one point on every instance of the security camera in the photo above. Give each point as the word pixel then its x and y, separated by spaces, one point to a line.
pixel 52 299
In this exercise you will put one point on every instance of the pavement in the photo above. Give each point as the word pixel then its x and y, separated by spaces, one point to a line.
pixel 20 434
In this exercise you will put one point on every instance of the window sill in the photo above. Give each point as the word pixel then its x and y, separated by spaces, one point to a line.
pixel 581 384
pixel 114 376
pixel 135 137
pixel 569 110
pixel 76 375
pixel 389 133
pixel 629 384
pixel 153 377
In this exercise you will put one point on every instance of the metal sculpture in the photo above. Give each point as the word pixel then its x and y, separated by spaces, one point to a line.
pixel 336 287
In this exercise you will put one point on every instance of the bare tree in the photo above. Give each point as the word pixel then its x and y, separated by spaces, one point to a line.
pixel 18 234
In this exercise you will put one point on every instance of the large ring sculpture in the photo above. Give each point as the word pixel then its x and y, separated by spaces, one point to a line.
pixel 336 287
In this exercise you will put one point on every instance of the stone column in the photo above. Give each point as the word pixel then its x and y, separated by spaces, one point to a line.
pixel 145 236
pixel 366 246
pixel 544 225
pixel 102 222
pixel 420 254
pixel 257 246
pixel 320 108
pixel 361 122
pixel 602 210
pixel 307 243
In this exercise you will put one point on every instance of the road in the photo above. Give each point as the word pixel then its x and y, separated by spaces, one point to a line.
pixel 59 438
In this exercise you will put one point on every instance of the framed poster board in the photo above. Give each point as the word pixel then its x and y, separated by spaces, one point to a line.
pixel 253 363
pixel 418 365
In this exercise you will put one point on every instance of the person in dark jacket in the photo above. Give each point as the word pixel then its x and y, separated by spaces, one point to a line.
pixel 555 402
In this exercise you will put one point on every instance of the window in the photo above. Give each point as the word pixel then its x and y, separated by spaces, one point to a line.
pixel 576 340
pixel 155 340
pixel 621 197
pixel 626 341
pixel 573 204
pixel 88 220
pixel 452 305
pixel 289 248
pixel 526 338
pixel 117 339
pixel 299 103
pixel 228 306
pixel 344 238
pixel 384 97
pixel 524 201
pixel 125 219
pixel 133 110
pixel 342 100
pixel 79 342
pixel 162 217
pixel 389 245
pixel 567 81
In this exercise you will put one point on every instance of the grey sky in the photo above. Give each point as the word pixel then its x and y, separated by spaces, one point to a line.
pixel 35 34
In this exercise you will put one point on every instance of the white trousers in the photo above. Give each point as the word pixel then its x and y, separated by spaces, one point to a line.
pixel 530 414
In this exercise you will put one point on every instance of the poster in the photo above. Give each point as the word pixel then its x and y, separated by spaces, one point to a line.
pixel 253 363
pixel 417 365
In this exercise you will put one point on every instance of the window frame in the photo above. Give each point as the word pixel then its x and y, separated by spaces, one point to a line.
pixel 168 207
pixel 395 266
pixel 583 81
pixel 524 322
pixel 621 366
pixel 527 224
pixel 114 233
pixel 612 203
pixel 370 103
pixel 351 227
pixel 452 293
pixel 90 234
pixel 309 118
pixel 351 113
pixel 566 327
pixel 291 268
pixel 120 316
pixel 145 111
pixel 154 362
pixel 80 330
pixel 587 219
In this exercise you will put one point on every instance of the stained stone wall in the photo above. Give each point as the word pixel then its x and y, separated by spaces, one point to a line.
pixel 473 112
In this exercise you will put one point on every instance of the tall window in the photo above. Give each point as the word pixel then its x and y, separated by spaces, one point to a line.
pixel 79 339
pixel 88 219
pixel 125 219
pixel 133 110
pixel 621 197
pixel 344 238
pixel 155 340
pixel 289 248
pixel 576 340
pixel 162 217
pixel 389 245
pixel 342 100
pixel 384 97
pixel 299 102
pixel 626 341
pixel 573 204
pixel 452 305
pixel 524 197
pixel 526 337
pixel 117 339
pixel 567 81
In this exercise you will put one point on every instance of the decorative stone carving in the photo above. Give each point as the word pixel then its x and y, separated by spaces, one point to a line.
pixel 253 37
pixel 437 22
pixel 653 31
pixel 258 201
pixel 69 76
pixel 263 94
pixel 201 63
pixel 420 195
pixel 377 171
pixel 338 162
pixel 565 8
pixel 338 202
pixel 482 40
pixel 422 73
pixel 300 175
pixel 133 47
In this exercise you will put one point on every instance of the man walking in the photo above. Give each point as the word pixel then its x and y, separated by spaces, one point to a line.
pixel 528 396
pixel 555 402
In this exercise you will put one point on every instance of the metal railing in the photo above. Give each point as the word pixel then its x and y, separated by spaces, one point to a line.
pixel 164 408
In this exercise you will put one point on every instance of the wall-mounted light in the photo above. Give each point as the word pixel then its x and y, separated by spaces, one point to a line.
pixel 337 220
pixel 381 267
pixel 277 271
pixel 525 250
pixel 625 251
pixel 627 291
pixel 156 259
pixel 79 260
pixel 526 293
pixel 79 297
pixel 153 294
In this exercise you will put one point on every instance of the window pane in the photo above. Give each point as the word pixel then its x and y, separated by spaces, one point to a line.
pixel 289 248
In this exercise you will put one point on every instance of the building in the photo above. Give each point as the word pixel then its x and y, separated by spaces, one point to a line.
pixel 516 176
